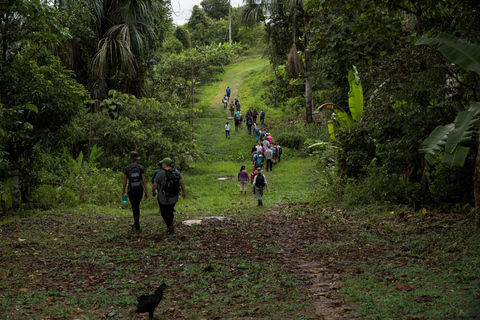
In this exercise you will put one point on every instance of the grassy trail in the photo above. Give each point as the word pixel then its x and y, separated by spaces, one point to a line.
pixel 291 178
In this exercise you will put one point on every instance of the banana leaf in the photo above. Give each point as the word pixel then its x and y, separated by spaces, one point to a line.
pixel 355 95
pixel 433 144
pixel 456 158
pixel 463 130
pixel 466 55
pixel 331 130
pixel 344 119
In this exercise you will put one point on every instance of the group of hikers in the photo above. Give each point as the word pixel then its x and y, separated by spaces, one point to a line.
pixel 264 152
pixel 250 119
pixel 167 182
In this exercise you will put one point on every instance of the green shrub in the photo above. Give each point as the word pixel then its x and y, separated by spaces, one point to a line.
pixel 379 186
pixel 291 140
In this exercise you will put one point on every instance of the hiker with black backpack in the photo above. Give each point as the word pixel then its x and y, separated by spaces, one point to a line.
pixel 170 182
pixel 137 185
pixel 260 184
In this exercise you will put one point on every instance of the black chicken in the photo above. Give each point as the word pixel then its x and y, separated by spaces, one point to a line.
pixel 148 303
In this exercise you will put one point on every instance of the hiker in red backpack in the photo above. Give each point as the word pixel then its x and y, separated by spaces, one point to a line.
pixel 137 185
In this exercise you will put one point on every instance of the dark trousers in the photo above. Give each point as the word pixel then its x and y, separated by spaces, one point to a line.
pixel 269 164
pixel 167 213
pixel 135 197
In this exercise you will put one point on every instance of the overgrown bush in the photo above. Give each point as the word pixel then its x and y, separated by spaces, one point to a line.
pixel 155 130
pixel 378 186
pixel 291 140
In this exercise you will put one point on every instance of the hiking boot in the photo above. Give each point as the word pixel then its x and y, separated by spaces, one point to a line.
pixel 170 230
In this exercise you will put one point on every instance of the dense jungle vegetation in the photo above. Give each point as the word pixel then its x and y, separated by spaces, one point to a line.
pixel 375 104
pixel 83 76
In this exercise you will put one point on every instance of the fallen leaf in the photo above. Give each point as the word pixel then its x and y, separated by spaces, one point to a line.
pixel 402 287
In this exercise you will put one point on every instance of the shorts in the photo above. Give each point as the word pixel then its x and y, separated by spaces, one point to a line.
pixel 243 186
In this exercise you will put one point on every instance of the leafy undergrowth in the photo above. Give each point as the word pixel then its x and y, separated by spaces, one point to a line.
pixel 86 263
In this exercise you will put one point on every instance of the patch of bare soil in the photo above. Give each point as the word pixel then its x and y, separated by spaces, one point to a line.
pixel 321 275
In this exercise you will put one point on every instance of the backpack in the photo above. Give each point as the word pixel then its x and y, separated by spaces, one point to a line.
pixel 154 175
pixel 171 188
pixel 256 129
pixel 262 114
pixel 135 177
pixel 260 182
pixel 258 160
pixel 279 150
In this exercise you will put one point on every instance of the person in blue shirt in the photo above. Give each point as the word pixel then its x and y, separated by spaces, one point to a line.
pixel 228 92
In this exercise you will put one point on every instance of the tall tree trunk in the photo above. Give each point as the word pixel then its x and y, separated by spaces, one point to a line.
pixel 308 68
pixel 476 185
pixel 14 170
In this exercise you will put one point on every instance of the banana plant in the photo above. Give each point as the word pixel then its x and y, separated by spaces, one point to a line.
pixel 467 56
pixel 355 104
pixel 449 138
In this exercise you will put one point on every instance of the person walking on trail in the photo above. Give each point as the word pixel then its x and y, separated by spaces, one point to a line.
pixel 232 108
pixel 249 123
pixel 237 104
pixel 258 159
pixel 262 117
pixel 240 116
pixel 269 158
pixel 256 131
pixel 236 119
pixel 252 177
pixel 279 152
pixel 243 178
pixel 254 115
pixel 225 101
pixel 228 92
pixel 260 184
pixel 170 182
pixel 137 186
pixel 227 131
pixel 249 113
pixel 266 143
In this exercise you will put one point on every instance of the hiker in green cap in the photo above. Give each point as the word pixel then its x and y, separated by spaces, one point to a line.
pixel 170 182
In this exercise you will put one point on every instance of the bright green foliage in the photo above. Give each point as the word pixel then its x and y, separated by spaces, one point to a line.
pixel 355 96
pixel 175 71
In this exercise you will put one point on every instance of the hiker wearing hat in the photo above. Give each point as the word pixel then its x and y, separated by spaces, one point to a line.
pixel 260 183
pixel 170 182
pixel 137 186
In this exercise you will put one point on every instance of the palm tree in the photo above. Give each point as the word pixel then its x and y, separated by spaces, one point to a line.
pixel 124 32
pixel 260 10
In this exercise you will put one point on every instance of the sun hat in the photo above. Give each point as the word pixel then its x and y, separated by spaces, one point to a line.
pixel 167 161
pixel 259 169
pixel 134 155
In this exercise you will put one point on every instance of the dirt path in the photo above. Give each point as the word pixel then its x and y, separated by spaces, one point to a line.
pixel 321 275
